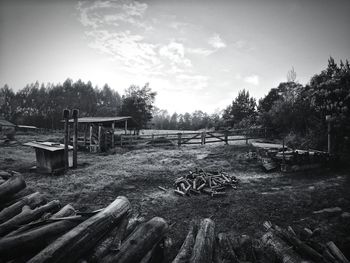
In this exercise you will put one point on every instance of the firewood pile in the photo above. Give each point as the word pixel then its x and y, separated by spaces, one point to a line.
pixel 210 183
pixel 33 229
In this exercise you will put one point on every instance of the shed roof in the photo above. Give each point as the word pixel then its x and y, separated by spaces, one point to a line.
pixel 4 122
pixel 49 146
pixel 101 119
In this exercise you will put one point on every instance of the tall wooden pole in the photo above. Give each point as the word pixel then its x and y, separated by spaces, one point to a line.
pixel 90 136
pixel 99 136
pixel 126 126
pixel 329 133
pixel 113 126
pixel 75 138
pixel 66 137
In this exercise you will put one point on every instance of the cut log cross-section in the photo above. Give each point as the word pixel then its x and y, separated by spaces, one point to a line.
pixel 78 241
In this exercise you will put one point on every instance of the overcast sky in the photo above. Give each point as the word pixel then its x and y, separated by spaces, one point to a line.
pixel 196 54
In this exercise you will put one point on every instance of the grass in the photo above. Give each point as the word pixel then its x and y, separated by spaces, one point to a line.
pixel 282 198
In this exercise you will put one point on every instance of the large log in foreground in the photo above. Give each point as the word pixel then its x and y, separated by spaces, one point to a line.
pixel 140 242
pixel 78 241
pixel 34 240
pixel 185 252
pixel 32 200
pixel 11 186
pixel 204 244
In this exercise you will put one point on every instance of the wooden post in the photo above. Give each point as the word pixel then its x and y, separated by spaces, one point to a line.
pixel 126 126
pixel 226 137
pixel 152 139
pixel 113 126
pixel 283 155
pixel 329 131
pixel 179 139
pixel 85 135
pixel 90 135
pixel 66 137
pixel 75 138
pixel 121 140
pixel 99 136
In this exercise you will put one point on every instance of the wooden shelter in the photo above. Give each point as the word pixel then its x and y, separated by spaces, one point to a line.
pixel 49 156
pixel 7 128
pixel 99 131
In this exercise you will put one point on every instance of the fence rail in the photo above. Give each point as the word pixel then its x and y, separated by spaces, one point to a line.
pixel 201 138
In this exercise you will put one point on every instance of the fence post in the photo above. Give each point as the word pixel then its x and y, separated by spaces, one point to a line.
pixel 179 139
pixel 90 136
pixel 113 128
pixel 152 139
pixel 204 135
pixel 75 138
pixel 226 137
pixel 121 140
pixel 66 137
pixel 99 136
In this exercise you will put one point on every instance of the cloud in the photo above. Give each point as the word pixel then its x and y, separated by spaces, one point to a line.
pixel 175 53
pixel 216 42
pixel 252 79
pixel 201 51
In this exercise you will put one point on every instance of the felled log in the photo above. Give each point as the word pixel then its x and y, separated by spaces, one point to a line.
pixel 300 246
pixel 204 243
pixel 27 215
pixel 132 225
pixel 32 200
pixel 78 241
pixel 67 210
pixel 12 186
pixel 140 242
pixel 278 249
pixel 34 240
pixel 111 241
pixel 224 252
pixel 335 251
pixel 185 252
pixel 155 255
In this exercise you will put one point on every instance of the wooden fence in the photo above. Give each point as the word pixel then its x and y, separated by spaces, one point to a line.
pixel 201 138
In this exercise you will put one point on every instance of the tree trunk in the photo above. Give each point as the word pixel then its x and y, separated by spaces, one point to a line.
pixel 279 249
pixel 204 244
pixel 34 240
pixel 140 242
pixel 185 252
pixel 11 186
pixel 77 242
pixel 67 210
pixel 32 200
pixel 27 215
pixel 110 242
pixel 224 252
pixel 132 225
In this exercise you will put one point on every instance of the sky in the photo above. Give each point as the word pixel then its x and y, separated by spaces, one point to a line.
pixel 196 54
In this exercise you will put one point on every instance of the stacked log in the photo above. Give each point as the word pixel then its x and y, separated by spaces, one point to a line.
pixel 199 181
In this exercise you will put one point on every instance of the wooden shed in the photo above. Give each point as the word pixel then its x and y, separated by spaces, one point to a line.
pixel 99 132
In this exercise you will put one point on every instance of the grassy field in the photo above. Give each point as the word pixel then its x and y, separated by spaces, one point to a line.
pixel 285 199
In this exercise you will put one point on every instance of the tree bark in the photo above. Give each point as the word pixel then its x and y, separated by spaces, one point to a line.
pixel 224 252
pixel 204 244
pixel 33 240
pixel 67 210
pixel 11 186
pixel 26 216
pixel 279 249
pixel 32 200
pixel 140 242
pixel 78 241
pixel 185 252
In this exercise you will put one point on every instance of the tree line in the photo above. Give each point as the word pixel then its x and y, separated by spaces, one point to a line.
pixel 294 111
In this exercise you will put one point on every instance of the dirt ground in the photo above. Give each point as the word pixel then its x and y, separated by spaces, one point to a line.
pixel 284 199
